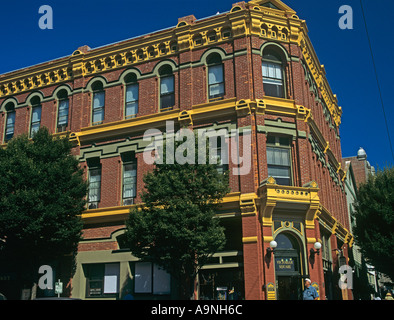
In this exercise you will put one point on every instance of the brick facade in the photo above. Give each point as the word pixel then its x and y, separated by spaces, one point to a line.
pixel 242 65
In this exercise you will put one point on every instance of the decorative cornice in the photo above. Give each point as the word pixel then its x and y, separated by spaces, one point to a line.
pixel 271 24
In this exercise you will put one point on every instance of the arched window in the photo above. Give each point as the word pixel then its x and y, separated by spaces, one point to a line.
pixel 132 93
pixel 273 74
pixel 215 77
pixel 167 88
pixel 35 115
pixel 63 110
pixel 98 103
pixel 10 121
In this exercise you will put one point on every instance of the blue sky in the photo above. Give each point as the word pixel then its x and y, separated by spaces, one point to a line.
pixel 345 53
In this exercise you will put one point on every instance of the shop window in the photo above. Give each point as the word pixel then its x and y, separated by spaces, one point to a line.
pixel 102 280
pixel 151 279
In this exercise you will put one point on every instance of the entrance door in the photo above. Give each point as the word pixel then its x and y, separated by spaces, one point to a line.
pixel 288 268
pixel 289 287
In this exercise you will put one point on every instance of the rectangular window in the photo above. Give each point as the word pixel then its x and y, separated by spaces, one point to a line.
pixel 219 153
pixel 216 82
pixel 94 187
pixel 129 179
pixel 98 107
pixel 35 120
pixel 273 80
pixel 131 101
pixel 102 280
pixel 10 126
pixel 278 160
pixel 167 93
pixel 62 117
pixel 151 279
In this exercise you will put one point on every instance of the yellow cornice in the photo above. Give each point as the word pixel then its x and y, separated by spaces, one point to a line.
pixel 283 26
pixel 120 213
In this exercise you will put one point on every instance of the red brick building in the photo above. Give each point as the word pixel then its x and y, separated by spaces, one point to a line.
pixel 253 69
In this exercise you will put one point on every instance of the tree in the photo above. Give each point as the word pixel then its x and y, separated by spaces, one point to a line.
pixel 42 194
pixel 175 227
pixel 374 216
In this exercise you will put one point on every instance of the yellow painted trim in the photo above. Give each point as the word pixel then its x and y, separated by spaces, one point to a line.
pixel 249 239
pixel 284 26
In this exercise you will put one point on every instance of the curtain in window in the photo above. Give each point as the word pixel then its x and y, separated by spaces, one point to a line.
pixel 98 107
pixel 36 119
pixel 63 112
pixel 98 100
pixel 131 100
pixel 9 132
pixel 167 85
pixel 278 160
pixel 273 79
pixel 94 185
pixel 129 181
pixel 216 81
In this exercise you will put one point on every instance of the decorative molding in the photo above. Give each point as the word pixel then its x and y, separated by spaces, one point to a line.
pixel 279 25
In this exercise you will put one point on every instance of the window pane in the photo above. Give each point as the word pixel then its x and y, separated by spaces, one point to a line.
pixel 98 116
pixel 132 93
pixel 94 185
pixel 161 281
pixel 111 278
pixel 167 85
pixel 129 181
pixel 216 90
pixel 36 114
pixel 265 69
pixel 278 156
pixel 10 119
pixel 63 112
pixel 34 128
pixel 274 90
pixel 143 277
pixel 215 74
pixel 131 109
pixel 98 99
pixel 283 172
pixel 167 101
pixel 9 132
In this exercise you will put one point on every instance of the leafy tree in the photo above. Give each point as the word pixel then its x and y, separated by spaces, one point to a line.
pixel 374 217
pixel 42 194
pixel 176 227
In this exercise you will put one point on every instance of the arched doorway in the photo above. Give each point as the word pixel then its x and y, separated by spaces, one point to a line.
pixel 288 266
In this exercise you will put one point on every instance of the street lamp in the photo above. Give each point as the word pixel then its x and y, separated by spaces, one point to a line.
pixel 271 248
pixel 317 247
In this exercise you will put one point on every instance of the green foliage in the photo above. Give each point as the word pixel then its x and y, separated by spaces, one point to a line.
pixel 375 221
pixel 176 227
pixel 42 194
